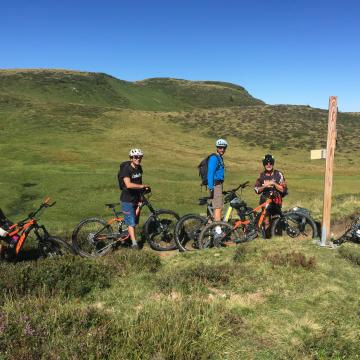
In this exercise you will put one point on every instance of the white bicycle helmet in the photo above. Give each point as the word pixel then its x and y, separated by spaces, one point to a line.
pixel 221 142
pixel 136 152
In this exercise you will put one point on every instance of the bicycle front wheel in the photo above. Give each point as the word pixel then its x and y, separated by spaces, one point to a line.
pixel 216 234
pixel 53 247
pixel 159 230
pixel 187 232
pixel 92 237
pixel 294 225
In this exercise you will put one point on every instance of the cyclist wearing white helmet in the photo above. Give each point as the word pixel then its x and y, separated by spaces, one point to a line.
pixel 130 182
pixel 215 177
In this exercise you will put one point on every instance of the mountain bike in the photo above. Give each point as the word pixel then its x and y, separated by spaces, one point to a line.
pixel 48 245
pixel 251 223
pixel 352 233
pixel 96 237
pixel 296 223
pixel 188 228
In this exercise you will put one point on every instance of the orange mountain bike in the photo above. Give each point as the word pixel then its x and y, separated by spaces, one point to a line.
pixel 96 237
pixel 251 223
pixel 48 246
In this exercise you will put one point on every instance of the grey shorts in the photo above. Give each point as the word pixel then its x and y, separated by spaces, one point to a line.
pixel 217 201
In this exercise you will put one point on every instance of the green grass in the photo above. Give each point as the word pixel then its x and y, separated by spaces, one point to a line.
pixel 276 299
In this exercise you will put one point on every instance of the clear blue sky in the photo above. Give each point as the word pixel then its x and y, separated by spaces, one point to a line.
pixel 283 52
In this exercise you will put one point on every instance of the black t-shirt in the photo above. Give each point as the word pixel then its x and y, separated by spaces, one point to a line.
pixel 135 175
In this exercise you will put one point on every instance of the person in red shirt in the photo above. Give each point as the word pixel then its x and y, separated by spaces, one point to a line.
pixel 272 183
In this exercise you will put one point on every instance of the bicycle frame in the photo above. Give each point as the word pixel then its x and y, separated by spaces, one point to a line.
pixel 260 212
pixel 230 209
pixel 23 228
pixel 120 220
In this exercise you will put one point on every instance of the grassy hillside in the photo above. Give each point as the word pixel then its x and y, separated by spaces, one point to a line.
pixel 277 127
pixel 99 89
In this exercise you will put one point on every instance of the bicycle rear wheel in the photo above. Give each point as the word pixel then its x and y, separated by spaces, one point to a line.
pixel 159 230
pixel 187 231
pixel 54 247
pixel 217 234
pixel 294 225
pixel 92 237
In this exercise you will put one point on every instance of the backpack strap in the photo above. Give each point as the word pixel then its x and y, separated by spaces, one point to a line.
pixel 218 160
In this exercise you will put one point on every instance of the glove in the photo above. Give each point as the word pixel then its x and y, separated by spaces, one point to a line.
pixel 3 233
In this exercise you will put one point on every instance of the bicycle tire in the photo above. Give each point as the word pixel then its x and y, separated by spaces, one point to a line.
pixel 160 233
pixel 209 237
pixel 187 231
pixel 92 238
pixel 53 247
pixel 301 226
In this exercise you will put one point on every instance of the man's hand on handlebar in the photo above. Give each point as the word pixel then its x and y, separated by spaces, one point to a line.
pixel 146 189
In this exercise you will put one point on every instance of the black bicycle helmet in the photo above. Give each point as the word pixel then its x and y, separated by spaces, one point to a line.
pixel 268 158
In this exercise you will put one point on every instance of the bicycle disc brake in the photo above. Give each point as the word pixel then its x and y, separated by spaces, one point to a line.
pixel 292 232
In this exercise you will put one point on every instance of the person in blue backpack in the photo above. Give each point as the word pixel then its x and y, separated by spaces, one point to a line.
pixel 216 176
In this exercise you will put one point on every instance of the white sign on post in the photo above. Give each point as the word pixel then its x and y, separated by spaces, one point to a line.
pixel 318 154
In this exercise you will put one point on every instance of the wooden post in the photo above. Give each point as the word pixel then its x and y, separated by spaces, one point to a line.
pixel 330 150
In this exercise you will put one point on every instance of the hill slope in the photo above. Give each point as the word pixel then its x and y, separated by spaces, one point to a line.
pixel 275 126
pixel 103 90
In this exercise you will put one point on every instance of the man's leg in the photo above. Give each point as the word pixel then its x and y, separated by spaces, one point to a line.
pixel 218 202
pixel 130 220
pixel 267 226
pixel 217 214
pixel 131 230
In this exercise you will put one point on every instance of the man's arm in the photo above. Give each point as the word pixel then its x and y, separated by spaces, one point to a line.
pixel 259 187
pixel 130 185
pixel 212 164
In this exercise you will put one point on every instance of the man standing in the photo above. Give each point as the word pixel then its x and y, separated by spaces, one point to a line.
pixel 215 177
pixel 130 182
pixel 270 183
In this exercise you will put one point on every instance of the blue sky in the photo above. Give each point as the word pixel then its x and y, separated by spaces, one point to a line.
pixel 283 52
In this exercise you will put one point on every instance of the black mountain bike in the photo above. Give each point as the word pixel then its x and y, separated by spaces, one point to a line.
pixel 352 233
pixel 189 227
pixel 296 223
pixel 96 237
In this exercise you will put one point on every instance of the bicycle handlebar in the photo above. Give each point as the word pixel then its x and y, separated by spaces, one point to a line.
pixel 45 204
pixel 242 186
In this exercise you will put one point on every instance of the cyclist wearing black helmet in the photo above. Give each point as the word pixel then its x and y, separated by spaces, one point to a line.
pixel 271 182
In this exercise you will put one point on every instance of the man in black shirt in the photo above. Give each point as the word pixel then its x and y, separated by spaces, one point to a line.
pixel 130 182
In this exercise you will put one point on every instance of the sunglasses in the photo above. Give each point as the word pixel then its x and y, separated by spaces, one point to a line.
pixel 137 157
pixel 221 147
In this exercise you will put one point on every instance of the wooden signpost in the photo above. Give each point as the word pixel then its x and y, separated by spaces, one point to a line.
pixel 330 150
